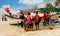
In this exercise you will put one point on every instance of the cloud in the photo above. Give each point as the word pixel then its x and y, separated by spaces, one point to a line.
pixel 53 4
pixel 41 5
pixel 30 2
pixel 2 11
pixel 14 11
pixel 5 6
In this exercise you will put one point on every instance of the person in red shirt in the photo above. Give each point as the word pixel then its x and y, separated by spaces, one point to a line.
pixel 48 17
pixel 21 15
pixel 7 10
pixel 29 19
pixel 26 25
pixel 45 18
pixel 22 23
pixel 36 19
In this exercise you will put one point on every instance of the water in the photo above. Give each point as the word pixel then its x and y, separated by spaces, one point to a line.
pixel 57 24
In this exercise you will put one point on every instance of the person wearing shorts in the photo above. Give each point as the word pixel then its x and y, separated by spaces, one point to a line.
pixel 29 19
pixel 26 26
pixel 36 19
pixel 44 19
pixel 31 26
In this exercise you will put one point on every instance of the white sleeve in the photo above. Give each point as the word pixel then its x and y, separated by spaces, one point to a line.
pixel 19 21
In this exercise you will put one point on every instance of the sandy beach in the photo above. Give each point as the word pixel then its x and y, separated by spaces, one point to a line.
pixel 10 30
pixel 44 14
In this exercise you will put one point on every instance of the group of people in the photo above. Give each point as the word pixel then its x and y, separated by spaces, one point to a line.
pixel 27 22
pixel 4 18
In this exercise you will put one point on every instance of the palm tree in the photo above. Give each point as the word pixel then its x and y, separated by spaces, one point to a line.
pixel 57 3
pixel 49 5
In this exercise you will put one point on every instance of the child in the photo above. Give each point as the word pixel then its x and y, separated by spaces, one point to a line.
pixel 26 26
pixel 37 17
pixel 23 22
pixel 30 22
pixel 45 18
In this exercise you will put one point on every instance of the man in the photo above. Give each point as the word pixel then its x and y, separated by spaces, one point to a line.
pixel 21 15
pixel 36 19
pixel 4 18
pixel 48 17
pixel 30 22
pixel 45 18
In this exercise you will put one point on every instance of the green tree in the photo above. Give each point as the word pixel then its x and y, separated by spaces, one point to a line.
pixel 48 5
pixel 57 3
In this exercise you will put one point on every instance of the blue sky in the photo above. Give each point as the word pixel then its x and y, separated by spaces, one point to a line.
pixel 16 5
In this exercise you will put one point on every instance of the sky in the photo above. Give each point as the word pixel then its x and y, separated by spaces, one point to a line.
pixel 16 5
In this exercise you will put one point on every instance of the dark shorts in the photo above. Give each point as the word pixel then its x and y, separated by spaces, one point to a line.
pixel 36 23
pixel 30 24
pixel 47 20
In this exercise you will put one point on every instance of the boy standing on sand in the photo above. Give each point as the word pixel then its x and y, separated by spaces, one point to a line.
pixel 26 25
pixel 29 19
pixel 36 19
pixel 48 18
pixel 45 18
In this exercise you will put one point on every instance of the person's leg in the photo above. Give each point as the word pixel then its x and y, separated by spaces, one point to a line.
pixel 48 21
pixel 44 24
pixel 29 26
pixel 24 27
pixel 38 25
pixel 2 19
pixel 32 27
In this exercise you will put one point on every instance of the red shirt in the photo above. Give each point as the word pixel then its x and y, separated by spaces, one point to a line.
pixel 7 10
pixel 23 21
pixel 45 16
pixel 48 16
pixel 36 18
pixel 29 19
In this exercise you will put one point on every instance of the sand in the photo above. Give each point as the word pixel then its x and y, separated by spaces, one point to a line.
pixel 10 30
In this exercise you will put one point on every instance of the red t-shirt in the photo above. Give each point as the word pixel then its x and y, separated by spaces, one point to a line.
pixel 45 16
pixel 29 19
pixel 36 18
pixel 7 10
pixel 48 16
pixel 23 21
